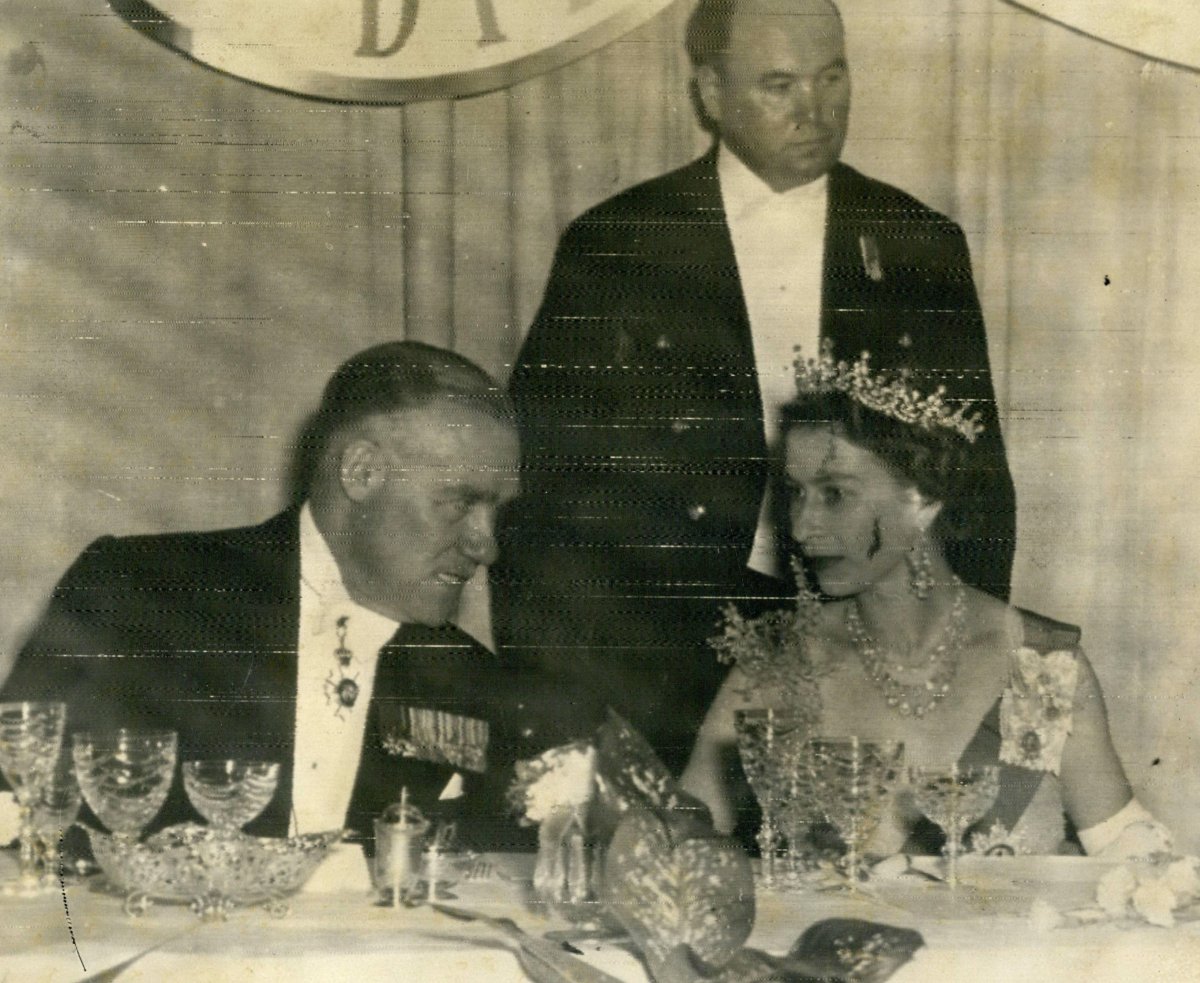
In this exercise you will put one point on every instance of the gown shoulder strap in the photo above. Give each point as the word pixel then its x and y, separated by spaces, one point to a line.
pixel 1045 634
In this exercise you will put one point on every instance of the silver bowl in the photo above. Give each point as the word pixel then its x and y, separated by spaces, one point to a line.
pixel 211 871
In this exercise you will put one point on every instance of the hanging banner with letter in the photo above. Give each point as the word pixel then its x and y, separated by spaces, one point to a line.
pixel 386 51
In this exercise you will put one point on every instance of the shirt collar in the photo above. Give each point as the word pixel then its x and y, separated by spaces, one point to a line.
pixel 743 191
pixel 320 576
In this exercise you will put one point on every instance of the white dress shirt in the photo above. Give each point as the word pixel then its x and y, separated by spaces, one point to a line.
pixel 329 736
pixel 779 245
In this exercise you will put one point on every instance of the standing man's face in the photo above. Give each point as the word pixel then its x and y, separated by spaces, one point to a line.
pixel 781 93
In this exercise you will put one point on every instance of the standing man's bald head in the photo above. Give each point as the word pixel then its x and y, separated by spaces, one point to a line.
pixel 772 77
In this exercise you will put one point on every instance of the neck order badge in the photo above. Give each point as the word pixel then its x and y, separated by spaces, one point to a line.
pixel 341 686
pixel 386 51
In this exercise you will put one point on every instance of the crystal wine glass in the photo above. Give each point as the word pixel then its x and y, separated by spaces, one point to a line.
pixel 230 793
pixel 125 777
pixel 768 741
pixel 31 737
pixel 54 810
pixel 955 798
pixel 801 808
pixel 852 780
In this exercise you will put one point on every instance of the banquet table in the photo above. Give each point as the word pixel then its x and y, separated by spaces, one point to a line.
pixel 979 932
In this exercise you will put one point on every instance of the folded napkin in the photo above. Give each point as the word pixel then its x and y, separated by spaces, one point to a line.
pixel 835 949
pixel 849 948
pixel 344 870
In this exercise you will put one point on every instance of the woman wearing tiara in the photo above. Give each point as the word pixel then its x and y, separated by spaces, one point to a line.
pixel 892 646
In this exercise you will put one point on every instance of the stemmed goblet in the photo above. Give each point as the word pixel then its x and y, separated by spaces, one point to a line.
pixel 767 742
pixel 54 811
pixel 851 781
pixel 230 793
pixel 955 798
pixel 31 737
pixel 125 777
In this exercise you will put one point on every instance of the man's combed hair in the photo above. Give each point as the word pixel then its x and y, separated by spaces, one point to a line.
pixel 706 37
pixel 390 378
pixel 937 461
pixel 707 34
pixel 403 375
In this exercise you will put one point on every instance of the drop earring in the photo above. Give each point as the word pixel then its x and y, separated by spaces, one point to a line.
pixel 920 570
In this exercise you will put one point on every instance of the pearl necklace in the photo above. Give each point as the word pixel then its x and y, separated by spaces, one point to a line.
pixel 915 699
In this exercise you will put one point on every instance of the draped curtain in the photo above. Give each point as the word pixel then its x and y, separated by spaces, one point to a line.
pixel 185 258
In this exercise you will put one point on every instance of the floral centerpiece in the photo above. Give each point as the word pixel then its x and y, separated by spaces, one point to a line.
pixel 554 791
pixel 616 830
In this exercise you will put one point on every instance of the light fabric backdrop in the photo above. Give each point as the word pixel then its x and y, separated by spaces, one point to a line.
pixel 185 258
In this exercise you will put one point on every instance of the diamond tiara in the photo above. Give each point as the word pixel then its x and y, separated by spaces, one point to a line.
pixel 884 393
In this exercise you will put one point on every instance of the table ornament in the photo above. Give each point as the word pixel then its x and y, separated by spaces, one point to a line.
pixel 671 883
pixel 686 896
pixel 213 872
pixel 684 893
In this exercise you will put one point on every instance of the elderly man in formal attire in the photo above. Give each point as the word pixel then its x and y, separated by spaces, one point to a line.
pixel 323 638
pixel 648 386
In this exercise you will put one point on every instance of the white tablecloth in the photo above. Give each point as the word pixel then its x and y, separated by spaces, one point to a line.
pixel 978 935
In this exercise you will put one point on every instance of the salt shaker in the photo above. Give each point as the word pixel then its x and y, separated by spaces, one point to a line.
pixel 399 840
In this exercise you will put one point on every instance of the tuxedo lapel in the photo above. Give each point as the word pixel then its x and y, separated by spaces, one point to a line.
pixel 702 228
pixel 265 593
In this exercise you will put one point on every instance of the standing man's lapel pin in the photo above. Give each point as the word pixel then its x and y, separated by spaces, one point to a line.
pixel 872 265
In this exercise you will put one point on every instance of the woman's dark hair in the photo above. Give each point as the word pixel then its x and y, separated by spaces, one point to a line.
pixel 937 461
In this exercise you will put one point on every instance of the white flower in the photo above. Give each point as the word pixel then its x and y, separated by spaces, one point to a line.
pixel 1044 917
pixel 1183 877
pixel 568 781
pixel 1115 889
pixel 1154 901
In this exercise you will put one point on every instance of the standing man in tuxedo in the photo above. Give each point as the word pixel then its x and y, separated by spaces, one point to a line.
pixel 321 639
pixel 648 385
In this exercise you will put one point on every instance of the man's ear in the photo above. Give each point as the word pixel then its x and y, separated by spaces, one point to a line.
pixel 708 88
pixel 360 469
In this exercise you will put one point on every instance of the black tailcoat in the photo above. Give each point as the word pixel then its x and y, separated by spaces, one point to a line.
pixel 644 453
pixel 197 632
